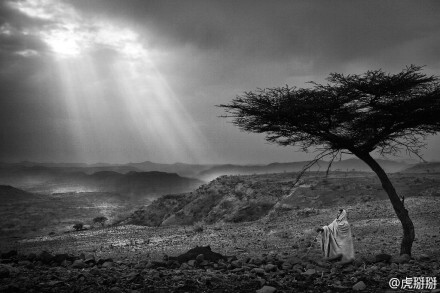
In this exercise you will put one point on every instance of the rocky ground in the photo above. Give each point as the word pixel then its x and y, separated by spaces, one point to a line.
pixel 274 253
pixel 267 273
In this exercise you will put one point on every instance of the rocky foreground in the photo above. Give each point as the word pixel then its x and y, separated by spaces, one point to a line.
pixel 202 270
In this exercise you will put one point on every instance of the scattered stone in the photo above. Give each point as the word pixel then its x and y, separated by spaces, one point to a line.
pixel 79 264
pixel 258 271
pixel 348 269
pixel 4 271
pixel 53 283
pixel 368 259
pixel 237 270
pixel 358 262
pixel 204 263
pixel 400 259
pixel 294 260
pixel 24 263
pixel 257 261
pixel 270 268
pixel 383 257
pixel 298 267
pixel 45 257
pixel 95 271
pixel 90 259
pixel 309 272
pixel 266 289
pixel 286 266
pixel 200 258
pixel 192 254
pixel 423 257
pixel 359 286
pixel 108 264
pixel 115 290
pixel 101 261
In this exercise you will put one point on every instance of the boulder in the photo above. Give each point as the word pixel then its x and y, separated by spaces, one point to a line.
pixel 270 268
pixel 102 261
pixel 258 271
pixel 90 260
pixel 423 257
pixel 309 272
pixel 200 258
pixel 400 259
pixel 79 264
pixel 383 257
pixel 108 264
pixel 59 258
pixel 115 290
pixel 95 271
pixel 266 289
pixel 359 286
pixel 4 271
pixel 208 254
pixel 257 261
pixel 45 257
pixel 294 260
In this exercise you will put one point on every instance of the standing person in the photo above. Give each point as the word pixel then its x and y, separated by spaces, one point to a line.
pixel 336 239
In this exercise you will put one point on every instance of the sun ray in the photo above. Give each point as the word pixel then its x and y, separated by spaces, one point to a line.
pixel 115 96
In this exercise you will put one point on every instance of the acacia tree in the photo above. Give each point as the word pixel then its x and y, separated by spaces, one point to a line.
pixel 78 226
pixel 351 114
pixel 100 220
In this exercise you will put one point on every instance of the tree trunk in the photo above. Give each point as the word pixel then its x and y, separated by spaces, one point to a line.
pixel 399 208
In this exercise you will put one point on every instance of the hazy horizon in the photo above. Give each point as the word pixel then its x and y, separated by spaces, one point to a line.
pixel 397 160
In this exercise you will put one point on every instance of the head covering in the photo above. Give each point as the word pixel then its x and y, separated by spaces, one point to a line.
pixel 336 238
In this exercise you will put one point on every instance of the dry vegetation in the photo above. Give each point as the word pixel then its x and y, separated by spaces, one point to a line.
pixel 260 251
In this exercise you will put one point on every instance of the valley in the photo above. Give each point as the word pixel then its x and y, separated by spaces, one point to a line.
pixel 263 224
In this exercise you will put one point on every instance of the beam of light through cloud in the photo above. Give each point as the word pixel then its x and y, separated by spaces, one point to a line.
pixel 168 123
pixel 114 95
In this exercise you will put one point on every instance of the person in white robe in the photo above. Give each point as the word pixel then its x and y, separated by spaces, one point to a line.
pixel 336 239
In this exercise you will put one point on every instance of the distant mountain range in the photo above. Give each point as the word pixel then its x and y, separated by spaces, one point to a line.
pixel 430 167
pixel 48 180
pixel 344 165
pixel 154 179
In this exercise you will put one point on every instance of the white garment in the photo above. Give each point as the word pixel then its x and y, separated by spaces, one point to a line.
pixel 336 239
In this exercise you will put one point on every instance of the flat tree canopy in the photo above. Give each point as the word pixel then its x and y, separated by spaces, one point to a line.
pixel 353 114
pixel 100 220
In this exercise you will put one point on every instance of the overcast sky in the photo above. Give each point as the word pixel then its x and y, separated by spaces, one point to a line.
pixel 134 80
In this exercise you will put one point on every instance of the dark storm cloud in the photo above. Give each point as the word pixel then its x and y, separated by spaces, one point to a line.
pixel 324 32
pixel 24 107
pixel 214 50
pixel 14 25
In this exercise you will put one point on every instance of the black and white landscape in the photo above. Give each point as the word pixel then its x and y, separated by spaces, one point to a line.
pixel 200 146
